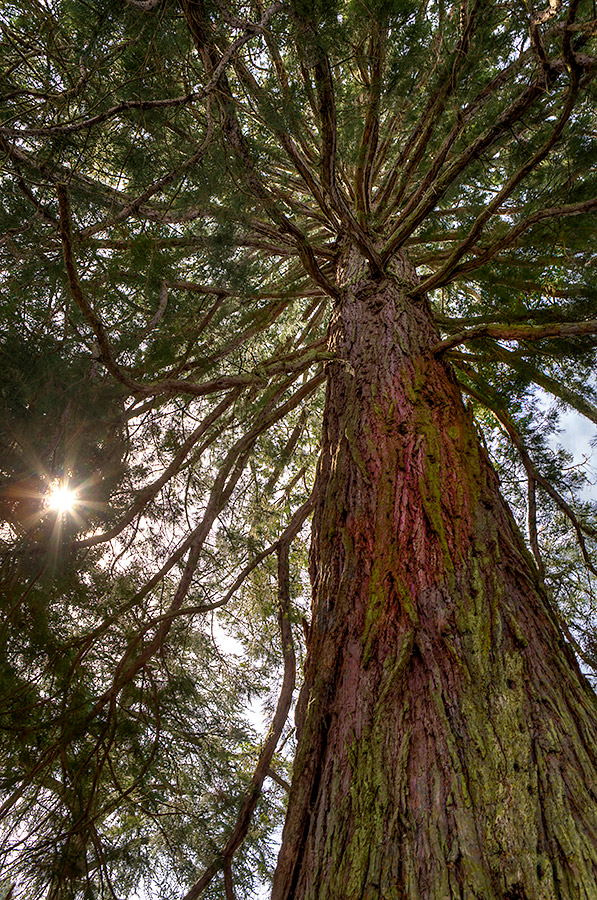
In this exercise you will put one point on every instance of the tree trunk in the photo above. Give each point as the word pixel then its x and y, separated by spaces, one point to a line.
pixel 447 739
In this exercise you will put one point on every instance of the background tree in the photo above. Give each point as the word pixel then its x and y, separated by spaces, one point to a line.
pixel 211 210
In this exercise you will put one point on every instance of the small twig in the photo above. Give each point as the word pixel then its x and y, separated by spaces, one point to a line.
pixel 271 773
pixel 157 316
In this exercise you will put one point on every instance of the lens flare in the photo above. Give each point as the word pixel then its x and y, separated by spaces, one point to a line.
pixel 62 499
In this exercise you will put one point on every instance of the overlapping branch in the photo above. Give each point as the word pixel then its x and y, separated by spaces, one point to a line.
pixel 232 131
pixel 132 662
pixel 476 388
pixel 553 386
pixel 167 386
pixel 508 240
pixel 239 832
pixel 503 332
pixel 442 276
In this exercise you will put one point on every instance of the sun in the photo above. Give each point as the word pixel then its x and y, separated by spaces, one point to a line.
pixel 61 498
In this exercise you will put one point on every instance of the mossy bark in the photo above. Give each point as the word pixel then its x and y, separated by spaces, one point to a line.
pixel 447 740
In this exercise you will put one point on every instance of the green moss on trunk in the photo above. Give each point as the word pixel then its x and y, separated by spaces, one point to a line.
pixel 446 736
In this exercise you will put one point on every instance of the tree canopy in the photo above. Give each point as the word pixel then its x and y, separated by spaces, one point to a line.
pixel 179 184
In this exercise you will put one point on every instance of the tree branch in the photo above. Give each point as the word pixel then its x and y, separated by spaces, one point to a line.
pixel 532 522
pixel 518 333
pixel 443 274
pixel 569 396
pixel 513 113
pixel 136 205
pixel 421 136
pixel 227 478
pixel 212 61
pixel 99 118
pixel 147 494
pixel 369 137
pixel 167 386
pixel 510 238
pixel 482 397
pixel 80 298
pixel 327 118
pixel 145 5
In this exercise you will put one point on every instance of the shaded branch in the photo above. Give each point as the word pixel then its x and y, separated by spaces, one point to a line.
pixel 513 113
pixel 281 782
pixel 235 138
pixel 219 496
pixel 224 484
pixel 518 333
pixel 532 522
pixel 370 135
pixel 145 5
pixel 99 118
pixel 416 144
pixel 287 535
pixel 144 105
pixel 228 883
pixel 150 491
pixel 167 386
pixel 302 165
pixel 327 117
pixel 79 296
pixel 137 204
pixel 557 388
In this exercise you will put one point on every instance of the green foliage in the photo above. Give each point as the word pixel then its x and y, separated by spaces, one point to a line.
pixel 214 166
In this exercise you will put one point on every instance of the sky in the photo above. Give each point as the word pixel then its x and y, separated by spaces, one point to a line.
pixel 576 435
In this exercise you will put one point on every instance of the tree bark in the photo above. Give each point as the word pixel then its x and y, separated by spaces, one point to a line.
pixel 446 735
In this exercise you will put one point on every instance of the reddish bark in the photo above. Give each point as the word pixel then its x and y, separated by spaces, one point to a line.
pixel 446 735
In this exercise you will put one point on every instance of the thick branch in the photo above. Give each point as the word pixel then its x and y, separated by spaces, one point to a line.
pixel 302 165
pixel 518 333
pixel 79 296
pixel 145 5
pixel 532 523
pixel 99 118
